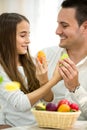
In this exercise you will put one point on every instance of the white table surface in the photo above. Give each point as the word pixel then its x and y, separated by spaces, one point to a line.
pixel 79 125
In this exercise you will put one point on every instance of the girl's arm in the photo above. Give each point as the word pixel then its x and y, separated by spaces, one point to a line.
pixel 45 90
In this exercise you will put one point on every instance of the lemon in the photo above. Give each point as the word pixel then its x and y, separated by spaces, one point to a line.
pixel 65 55
pixel 11 86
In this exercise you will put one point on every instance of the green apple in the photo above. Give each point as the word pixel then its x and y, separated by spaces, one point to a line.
pixel 65 55
pixel 1 79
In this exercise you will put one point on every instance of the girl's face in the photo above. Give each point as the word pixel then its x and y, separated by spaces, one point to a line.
pixel 22 37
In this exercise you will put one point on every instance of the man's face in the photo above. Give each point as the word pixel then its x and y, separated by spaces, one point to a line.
pixel 68 29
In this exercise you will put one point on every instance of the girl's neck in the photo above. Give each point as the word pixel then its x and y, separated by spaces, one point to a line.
pixel 18 61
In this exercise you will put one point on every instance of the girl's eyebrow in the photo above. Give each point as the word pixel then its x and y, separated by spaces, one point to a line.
pixel 23 32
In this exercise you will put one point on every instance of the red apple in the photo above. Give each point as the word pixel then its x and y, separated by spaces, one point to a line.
pixel 51 107
pixel 63 101
pixel 74 107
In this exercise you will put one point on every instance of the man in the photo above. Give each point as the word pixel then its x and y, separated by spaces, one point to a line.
pixel 72 29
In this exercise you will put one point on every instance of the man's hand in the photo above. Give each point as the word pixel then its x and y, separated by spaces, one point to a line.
pixel 69 73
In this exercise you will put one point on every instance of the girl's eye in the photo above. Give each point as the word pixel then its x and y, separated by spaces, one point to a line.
pixel 22 35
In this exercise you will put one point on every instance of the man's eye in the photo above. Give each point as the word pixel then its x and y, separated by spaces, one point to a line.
pixel 65 25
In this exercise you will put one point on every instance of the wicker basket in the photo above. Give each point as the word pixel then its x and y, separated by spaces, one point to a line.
pixel 60 120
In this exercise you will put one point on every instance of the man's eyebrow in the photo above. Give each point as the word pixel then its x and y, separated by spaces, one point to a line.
pixel 62 22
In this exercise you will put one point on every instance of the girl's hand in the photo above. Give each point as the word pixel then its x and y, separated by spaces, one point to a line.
pixel 56 74
pixel 42 71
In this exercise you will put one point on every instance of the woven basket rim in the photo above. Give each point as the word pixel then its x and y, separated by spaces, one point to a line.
pixel 56 112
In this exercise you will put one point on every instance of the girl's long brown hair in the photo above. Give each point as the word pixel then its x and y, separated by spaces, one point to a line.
pixel 8 53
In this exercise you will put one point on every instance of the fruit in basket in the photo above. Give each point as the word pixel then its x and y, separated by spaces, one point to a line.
pixel 74 107
pixel 51 107
pixel 65 55
pixel 63 101
pixel 41 55
pixel 40 106
pixel 64 108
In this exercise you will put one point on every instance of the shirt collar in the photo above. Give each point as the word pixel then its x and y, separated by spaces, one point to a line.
pixel 82 61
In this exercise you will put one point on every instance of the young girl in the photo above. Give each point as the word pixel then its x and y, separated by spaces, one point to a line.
pixel 16 65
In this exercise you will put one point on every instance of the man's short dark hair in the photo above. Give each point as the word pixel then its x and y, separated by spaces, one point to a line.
pixel 81 9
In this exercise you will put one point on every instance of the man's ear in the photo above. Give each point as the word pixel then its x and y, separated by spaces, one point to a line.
pixel 84 27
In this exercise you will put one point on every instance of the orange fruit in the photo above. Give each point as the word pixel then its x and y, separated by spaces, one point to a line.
pixel 64 108
pixel 41 55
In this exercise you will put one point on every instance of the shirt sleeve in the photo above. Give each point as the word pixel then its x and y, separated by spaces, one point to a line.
pixel 80 96
pixel 17 99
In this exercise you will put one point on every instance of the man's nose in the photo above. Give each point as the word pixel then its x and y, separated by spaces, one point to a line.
pixel 58 30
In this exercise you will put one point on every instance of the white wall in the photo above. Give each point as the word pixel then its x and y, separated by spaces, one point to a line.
pixel 42 15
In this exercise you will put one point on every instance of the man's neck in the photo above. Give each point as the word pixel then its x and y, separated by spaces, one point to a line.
pixel 77 55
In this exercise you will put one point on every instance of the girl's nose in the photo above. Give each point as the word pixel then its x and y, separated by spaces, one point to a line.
pixel 28 40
